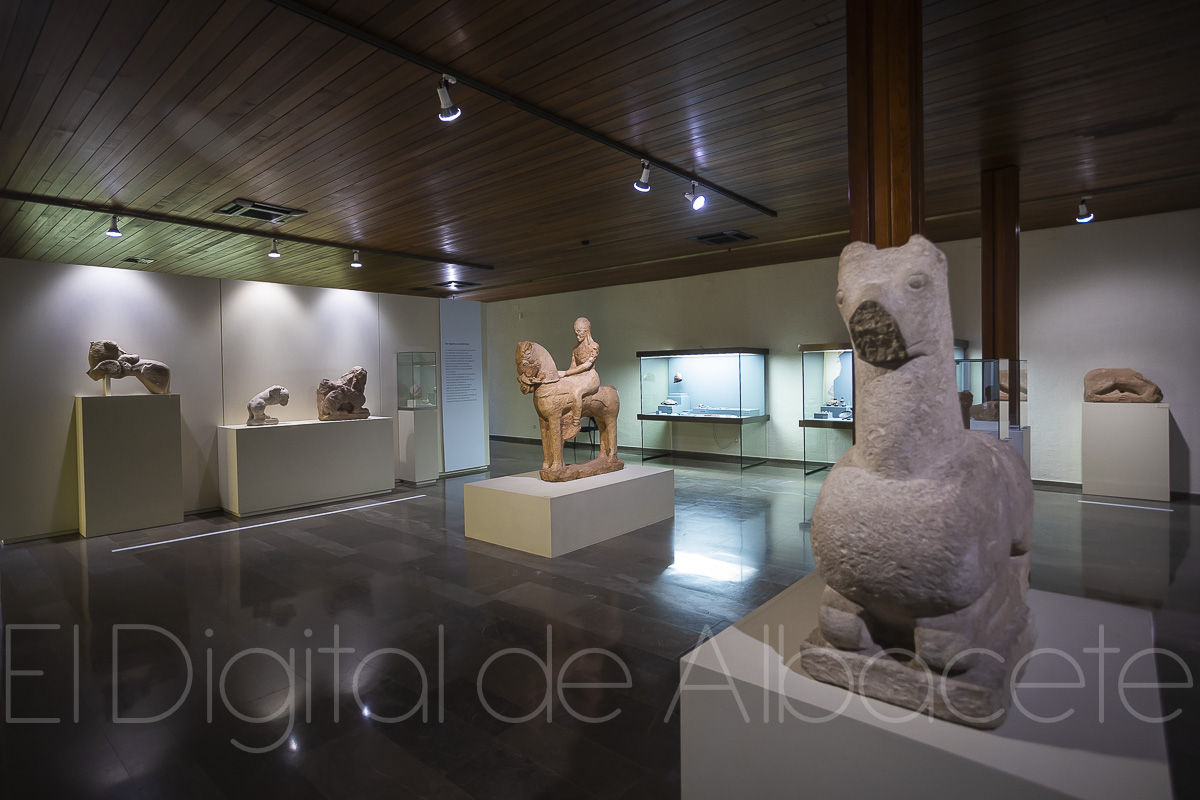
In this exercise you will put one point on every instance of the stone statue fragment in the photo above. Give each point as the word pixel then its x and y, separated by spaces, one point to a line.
pixel 343 398
pixel 561 397
pixel 1119 385
pixel 922 529
pixel 257 407
pixel 106 360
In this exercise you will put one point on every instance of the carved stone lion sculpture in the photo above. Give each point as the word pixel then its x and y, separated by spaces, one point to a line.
pixel 257 407
pixel 106 360
pixel 343 398
pixel 922 529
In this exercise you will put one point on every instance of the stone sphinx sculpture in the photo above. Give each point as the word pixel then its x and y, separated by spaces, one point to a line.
pixel 106 360
pixel 257 407
pixel 561 397
pixel 343 398
pixel 1119 385
pixel 922 529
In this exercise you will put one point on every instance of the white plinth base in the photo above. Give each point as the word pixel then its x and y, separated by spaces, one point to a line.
pixel 549 519
pixel 263 468
pixel 417 445
pixel 130 451
pixel 866 748
pixel 1126 450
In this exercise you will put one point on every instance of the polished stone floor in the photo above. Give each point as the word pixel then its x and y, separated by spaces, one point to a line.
pixel 456 657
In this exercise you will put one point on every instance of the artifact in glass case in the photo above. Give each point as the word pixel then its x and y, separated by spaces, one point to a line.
pixel 416 379
pixel 343 398
pixel 922 530
pixel 1119 385
pixel 987 379
pixel 562 397
pixel 257 407
pixel 107 361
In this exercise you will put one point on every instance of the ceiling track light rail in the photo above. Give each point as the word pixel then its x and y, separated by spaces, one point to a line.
pixel 504 97
pixel 55 202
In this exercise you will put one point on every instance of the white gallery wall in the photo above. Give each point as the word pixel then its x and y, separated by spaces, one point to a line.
pixel 224 341
pixel 776 307
pixel 1124 293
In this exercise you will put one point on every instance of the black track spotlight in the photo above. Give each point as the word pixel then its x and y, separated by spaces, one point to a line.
pixel 642 184
pixel 354 262
pixel 695 198
pixel 274 249
pixel 1084 215
pixel 113 230
pixel 449 112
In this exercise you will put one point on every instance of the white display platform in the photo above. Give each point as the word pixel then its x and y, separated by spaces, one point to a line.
pixel 549 519
pixel 417 445
pixel 1126 450
pixel 130 462
pixel 263 468
pixel 852 746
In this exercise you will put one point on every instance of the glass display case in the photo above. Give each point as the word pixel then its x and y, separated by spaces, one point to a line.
pixel 416 380
pixel 987 379
pixel 720 387
pixel 827 391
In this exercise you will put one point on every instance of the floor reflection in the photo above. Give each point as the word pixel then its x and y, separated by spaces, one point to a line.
pixel 379 653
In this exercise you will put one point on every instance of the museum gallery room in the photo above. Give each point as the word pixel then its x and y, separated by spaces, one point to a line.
pixel 606 400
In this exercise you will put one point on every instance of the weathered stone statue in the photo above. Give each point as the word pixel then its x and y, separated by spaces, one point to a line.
pixel 1119 385
pixel 106 360
pixel 257 407
pixel 561 397
pixel 343 398
pixel 922 529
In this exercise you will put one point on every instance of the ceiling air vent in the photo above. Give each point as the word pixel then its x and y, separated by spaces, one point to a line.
pixel 456 284
pixel 136 260
pixel 722 237
pixel 264 212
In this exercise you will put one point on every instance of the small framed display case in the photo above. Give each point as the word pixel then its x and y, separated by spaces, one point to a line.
pixel 987 379
pixel 722 389
pixel 827 381
pixel 416 380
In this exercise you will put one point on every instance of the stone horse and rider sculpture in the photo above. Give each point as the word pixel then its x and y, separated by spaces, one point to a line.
pixel 562 397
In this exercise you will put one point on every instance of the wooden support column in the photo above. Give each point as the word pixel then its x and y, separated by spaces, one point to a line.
pixel 1000 284
pixel 884 100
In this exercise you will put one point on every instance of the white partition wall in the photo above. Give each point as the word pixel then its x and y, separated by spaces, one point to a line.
pixel 48 314
pixel 295 336
pixel 224 341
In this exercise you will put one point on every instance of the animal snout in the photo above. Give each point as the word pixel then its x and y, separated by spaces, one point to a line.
pixel 876 336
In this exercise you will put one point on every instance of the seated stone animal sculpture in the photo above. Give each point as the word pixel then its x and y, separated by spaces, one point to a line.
pixel 922 529
pixel 106 360
pixel 552 399
pixel 1119 385
pixel 343 398
pixel 257 407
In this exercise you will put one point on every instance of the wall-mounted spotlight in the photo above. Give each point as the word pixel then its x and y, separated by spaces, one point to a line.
pixel 642 184
pixel 449 112
pixel 113 230
pixel 1084 214
pixel 274 249
pixel 695 198
pixel 354 262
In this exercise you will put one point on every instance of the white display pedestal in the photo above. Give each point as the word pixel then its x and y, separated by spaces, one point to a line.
pixel 263 468
pixel 867 748
pixel 1126 450
pixel 417 445
pixel 549 519
pixel 130 467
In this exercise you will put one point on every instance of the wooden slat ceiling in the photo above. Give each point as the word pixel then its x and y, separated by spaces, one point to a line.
pixel 172 108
